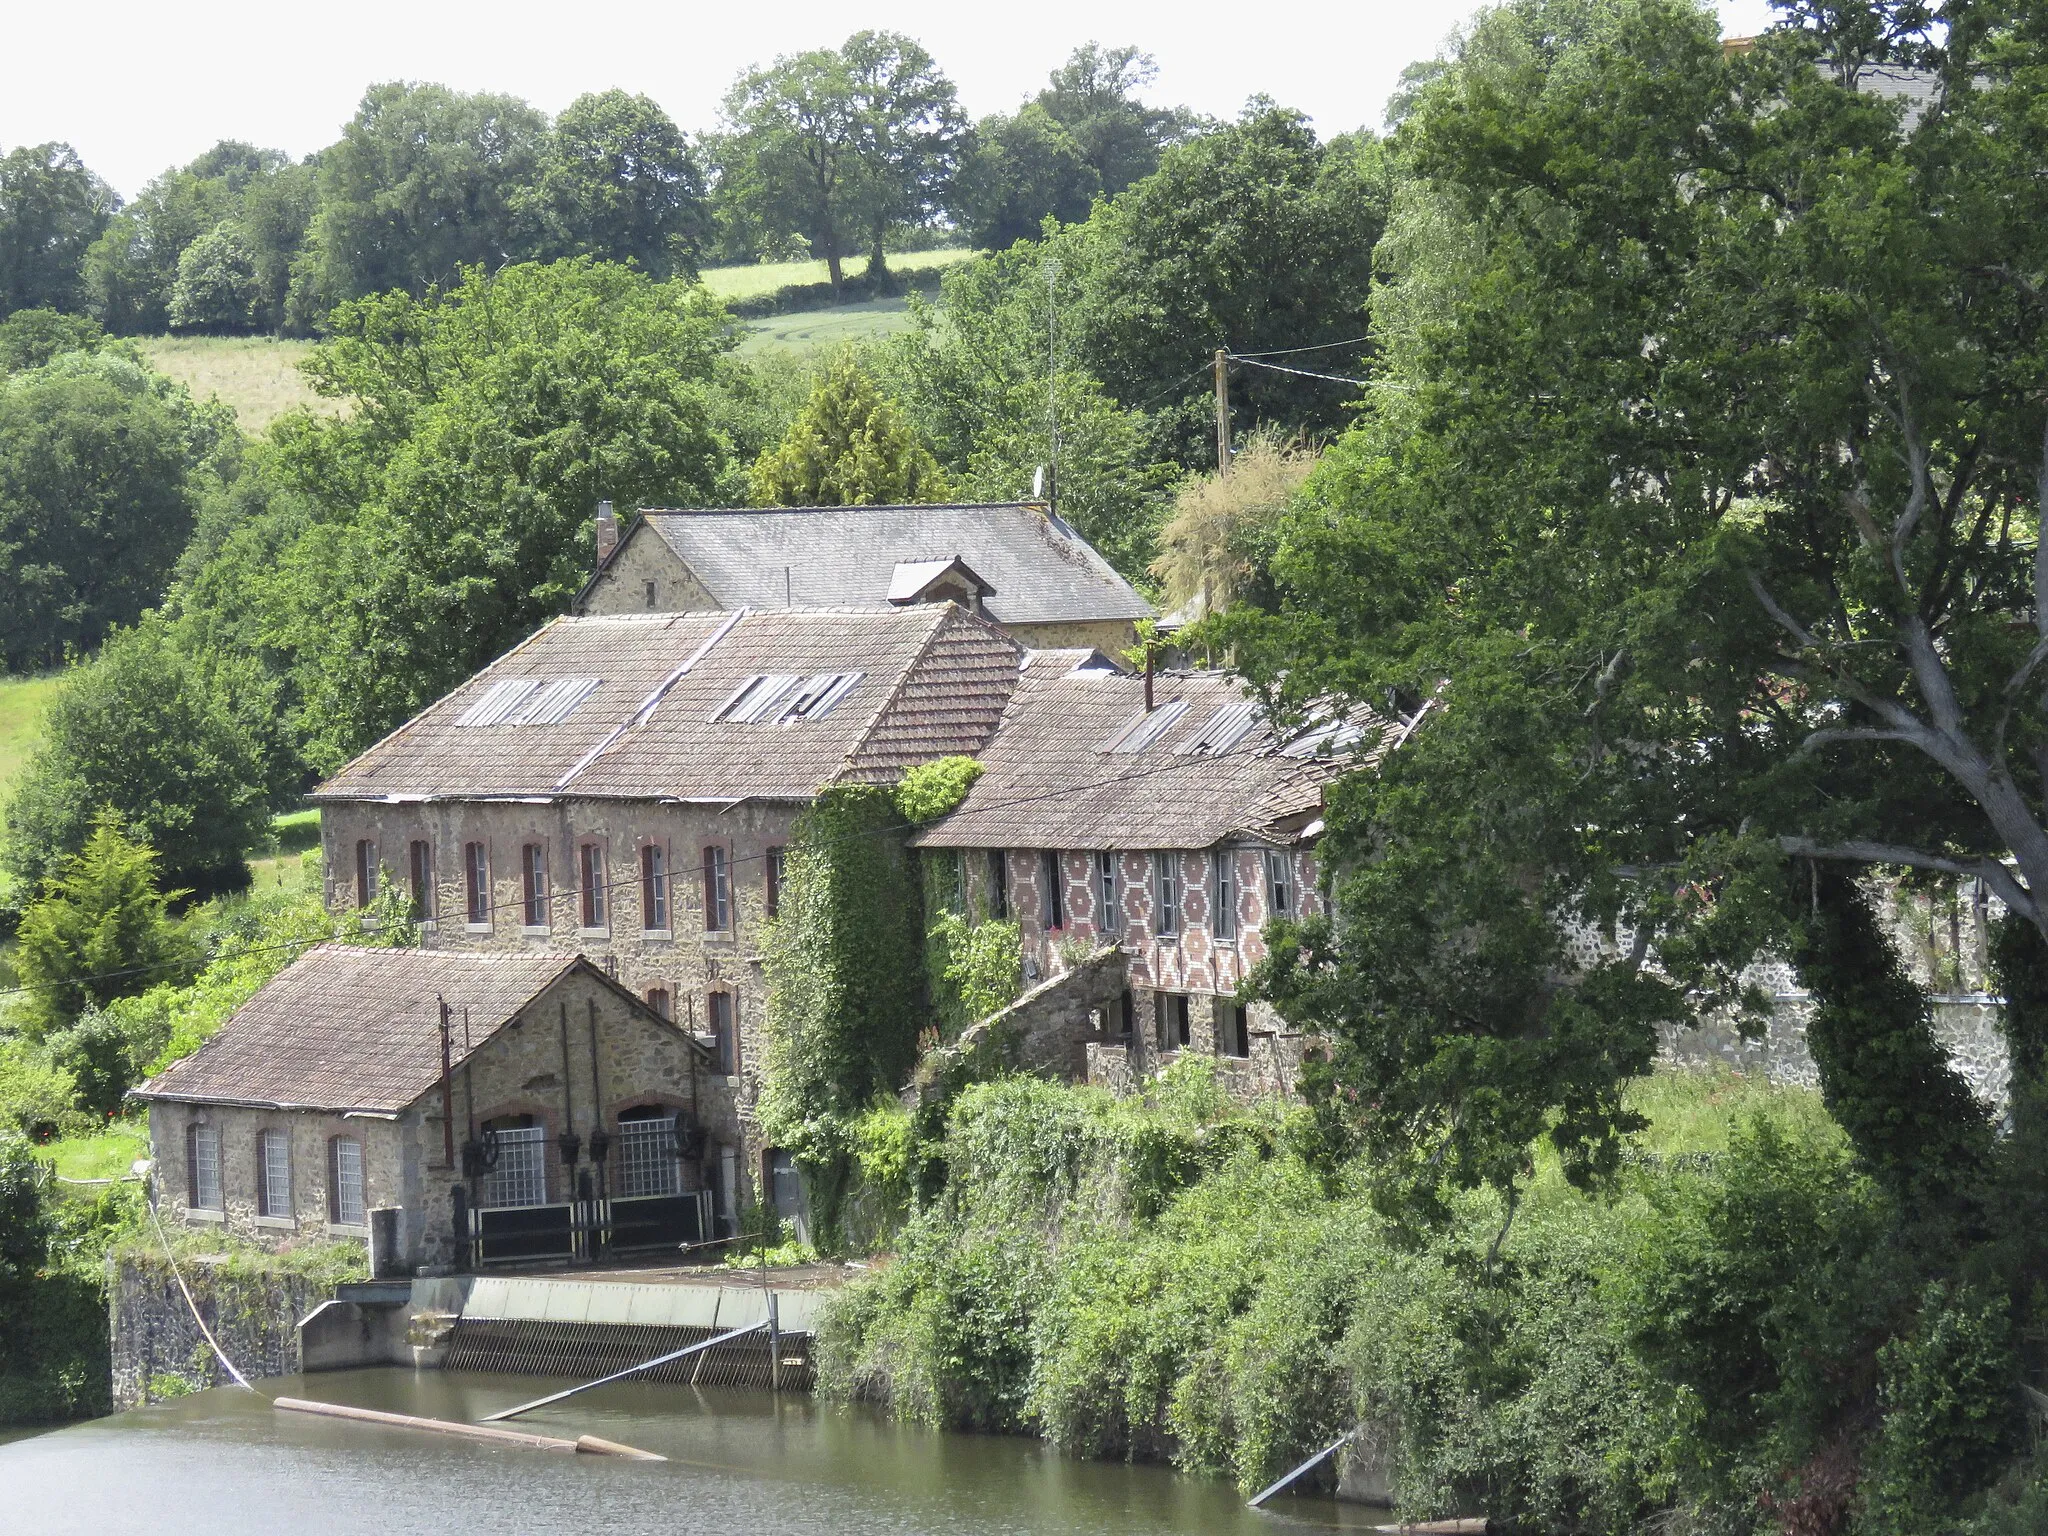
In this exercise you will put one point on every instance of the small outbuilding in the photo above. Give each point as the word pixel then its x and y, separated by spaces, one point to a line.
pixel 500 1106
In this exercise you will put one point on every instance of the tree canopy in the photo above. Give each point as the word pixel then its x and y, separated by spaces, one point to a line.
pixel 51 209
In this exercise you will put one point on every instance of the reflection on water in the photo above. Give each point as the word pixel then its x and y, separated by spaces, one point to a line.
pixel 224 1463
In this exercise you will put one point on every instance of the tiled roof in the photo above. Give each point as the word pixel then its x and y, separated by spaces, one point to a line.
pixel 1051 780
pixel 827 557
pixel 346 1029
pixel 917 683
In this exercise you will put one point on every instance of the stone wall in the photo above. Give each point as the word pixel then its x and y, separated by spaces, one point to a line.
pixel 622 588
pixel 684 959
pixel 254 1312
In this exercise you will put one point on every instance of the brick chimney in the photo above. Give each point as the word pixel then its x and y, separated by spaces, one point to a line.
pixel 607 532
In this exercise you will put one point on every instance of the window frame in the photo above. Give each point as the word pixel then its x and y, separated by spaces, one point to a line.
pixel 1166 894
pixel 662 1001
pixel 593 904
pixel 476 884
pixel 649 589
pixel 337 1207
pixel 654 908
pixel 998 884
pixel 771 881
pixel 419 870
pixel 721 1013
pixel 1279 884
pixel 273 1204
pixel 366 871
pixel 536 900
pixel 1223 896
pixel 1109 893
pixel 196 1132
pixel 717 862
pixel 1052 898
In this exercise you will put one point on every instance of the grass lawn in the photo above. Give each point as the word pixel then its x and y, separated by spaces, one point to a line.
pixel 826 328
pixel 22 701
pixel 283 868
pixel 257 375
pixel 767 276
pixel 106 1155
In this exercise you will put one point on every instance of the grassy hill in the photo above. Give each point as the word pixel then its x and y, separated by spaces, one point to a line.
pixel 256 375
pixel 259 376
pixel 22 700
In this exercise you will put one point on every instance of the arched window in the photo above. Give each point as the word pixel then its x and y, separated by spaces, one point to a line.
pixel 647 1152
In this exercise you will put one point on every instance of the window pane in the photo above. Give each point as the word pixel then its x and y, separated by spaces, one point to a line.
pixel 718 1008
pixel 535 880
pixel 1053 896
pixel 1109 920
pixel 647 1157
pixel 274 1190
pixel 590 872
pixel 717 891
pixel 347 1208
pixel 1223 895
pixel 366 872
pixel 476 882
pixel 206 1168
pixel 1166 881
pixel 653 887
pixel 771 875
pixel 520 1175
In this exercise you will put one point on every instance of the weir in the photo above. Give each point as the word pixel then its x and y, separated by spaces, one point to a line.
pixel 584 1326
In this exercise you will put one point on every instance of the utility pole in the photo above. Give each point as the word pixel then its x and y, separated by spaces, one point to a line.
pixel 1222 367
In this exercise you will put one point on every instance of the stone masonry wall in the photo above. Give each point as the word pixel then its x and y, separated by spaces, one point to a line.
pixel 623 586
pixel 157 1348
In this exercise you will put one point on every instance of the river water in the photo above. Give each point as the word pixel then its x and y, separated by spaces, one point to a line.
pixel 224 1463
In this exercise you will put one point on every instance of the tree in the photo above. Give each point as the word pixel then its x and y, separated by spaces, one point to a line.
pixel 384 556
pixel 98 465
pixel 29 338
pixel 618 181
pixel 1019 171
pixel 851 447
pixel 424 182
pixel 98 931
pixel 1216 548
pixel 844 145
pixel 146 732
pixel 51 209
pixel 1703 516
pixel 217 287
pixel 1094 96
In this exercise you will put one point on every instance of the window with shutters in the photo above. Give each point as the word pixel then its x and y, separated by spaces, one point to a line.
pixel 273 1174
pixel 1052 895
pixel 1279 886
pixel 654 888
pixel 533 883
pixel 717 890
pixel 476 884
pixel 1166 894
pixel 1223 894
pixel 590 885
pixel 345 1181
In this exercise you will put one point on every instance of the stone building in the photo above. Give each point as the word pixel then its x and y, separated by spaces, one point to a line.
pixel 624 785
pixel 1164 816
pixel 1022 567
pixel 563 1108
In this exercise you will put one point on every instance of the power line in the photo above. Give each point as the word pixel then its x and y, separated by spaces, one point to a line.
pixel 1321 346
pixel 1333 378
pixel 573 893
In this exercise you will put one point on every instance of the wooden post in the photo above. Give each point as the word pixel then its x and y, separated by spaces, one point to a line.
pixel 447 1103
pixel 1222 370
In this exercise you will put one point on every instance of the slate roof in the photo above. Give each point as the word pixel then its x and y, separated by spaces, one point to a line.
pixel 830 557
pixel 346 1029
pixel 932 681
pixel 1050 779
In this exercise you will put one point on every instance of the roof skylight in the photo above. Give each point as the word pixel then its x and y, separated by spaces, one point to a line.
pixel 529 701
pixel 1147 728
pixel 1226 728
pixel 785 697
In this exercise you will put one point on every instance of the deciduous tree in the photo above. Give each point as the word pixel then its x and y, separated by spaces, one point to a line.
pixel 51 209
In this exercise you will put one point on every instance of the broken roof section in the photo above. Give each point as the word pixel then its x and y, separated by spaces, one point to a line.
pixel 1079 762
pixel 701 706
pixel 1036 569
pixel 358 1031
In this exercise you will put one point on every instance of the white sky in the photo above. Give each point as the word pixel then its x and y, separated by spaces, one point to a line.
pixel 139 85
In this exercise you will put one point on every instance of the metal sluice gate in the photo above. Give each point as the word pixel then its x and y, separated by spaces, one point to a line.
pixel 532 1347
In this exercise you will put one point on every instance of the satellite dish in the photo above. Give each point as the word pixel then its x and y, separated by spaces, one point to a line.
pixel 1038 483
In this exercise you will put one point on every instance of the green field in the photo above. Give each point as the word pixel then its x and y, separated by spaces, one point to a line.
pixel 814 328
pixel 256 375
pixel 22 701
pixel 766 277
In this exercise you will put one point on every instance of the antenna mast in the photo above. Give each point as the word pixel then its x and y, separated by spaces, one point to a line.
pixel 1052 358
